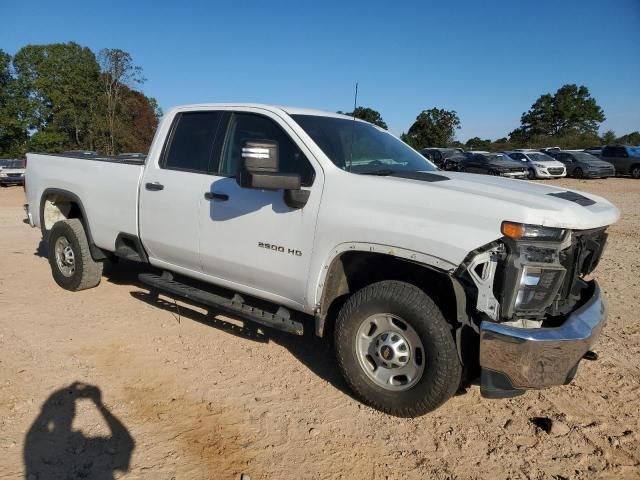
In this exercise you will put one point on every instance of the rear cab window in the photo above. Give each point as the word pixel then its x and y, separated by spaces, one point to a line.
pixel 191 143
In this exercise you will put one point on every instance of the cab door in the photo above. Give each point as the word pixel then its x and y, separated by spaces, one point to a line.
pixel 171 192
pixel 251 239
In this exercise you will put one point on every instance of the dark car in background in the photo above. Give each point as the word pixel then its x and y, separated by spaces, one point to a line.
pixel 625 159
pixel 445 158
pixel 583 165
pixel 498 164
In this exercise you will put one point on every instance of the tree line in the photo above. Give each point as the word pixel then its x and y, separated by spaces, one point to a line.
pixel 569 118
pixel 62 96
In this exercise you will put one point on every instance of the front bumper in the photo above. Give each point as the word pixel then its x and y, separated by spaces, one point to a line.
pixel 544 173
pixel 12 180
pixel 514 174
pixel 515 359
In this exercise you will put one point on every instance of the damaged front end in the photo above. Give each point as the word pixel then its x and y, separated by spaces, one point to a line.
pixel 537 314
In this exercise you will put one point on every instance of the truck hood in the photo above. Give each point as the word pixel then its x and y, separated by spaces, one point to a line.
pixel 449 214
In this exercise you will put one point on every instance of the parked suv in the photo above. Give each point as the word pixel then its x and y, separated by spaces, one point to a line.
pixel 584 165
pixel 445 158
pixel 12 172
pixel 625 159
pixel 539 165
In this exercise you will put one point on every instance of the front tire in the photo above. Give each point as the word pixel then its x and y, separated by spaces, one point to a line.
pixel 531 175
pixel 578 173
pixel 72 266
pixel 396 350
pixel 635 172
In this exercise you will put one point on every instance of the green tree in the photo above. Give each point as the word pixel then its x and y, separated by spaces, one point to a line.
pixel 609 138
pixel 632 138
pixel 57 86
pixel 118 72
pixel 13 126
pixel 476 143
pixel 368 115
pixel 432 128
pixel 570 111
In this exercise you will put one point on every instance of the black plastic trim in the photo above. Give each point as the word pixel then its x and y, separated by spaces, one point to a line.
pixel 125 241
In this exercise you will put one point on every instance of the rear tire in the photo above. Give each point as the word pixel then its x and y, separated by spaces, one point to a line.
pixel 72 266
pixel 578 173
pixel 423 369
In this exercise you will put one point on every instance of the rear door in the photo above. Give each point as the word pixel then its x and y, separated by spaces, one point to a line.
pixel 250 239
pixel 172 190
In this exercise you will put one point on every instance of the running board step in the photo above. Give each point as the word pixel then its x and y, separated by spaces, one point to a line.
pixel 280 320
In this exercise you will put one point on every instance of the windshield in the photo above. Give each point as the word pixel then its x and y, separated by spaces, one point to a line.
pixel 540 157
pixel 498 157
pixel 451 153
pixel 11 164
pixel 585 157
pixel 360 147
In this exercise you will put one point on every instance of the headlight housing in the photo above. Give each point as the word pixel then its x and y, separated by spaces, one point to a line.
pixel 539 165
pixel 522 231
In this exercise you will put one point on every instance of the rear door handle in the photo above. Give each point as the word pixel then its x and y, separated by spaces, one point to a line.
pixel 223 197
pixel 154 186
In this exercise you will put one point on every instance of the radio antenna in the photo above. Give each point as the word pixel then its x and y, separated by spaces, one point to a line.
pixel 353 126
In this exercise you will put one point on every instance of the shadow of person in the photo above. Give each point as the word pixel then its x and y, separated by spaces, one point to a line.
pixel 52 450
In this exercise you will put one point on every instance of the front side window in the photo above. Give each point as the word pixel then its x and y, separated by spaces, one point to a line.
pixel 360 147
pixel 191 142
pixel 247 126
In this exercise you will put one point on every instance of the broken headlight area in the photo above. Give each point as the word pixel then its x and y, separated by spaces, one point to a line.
pixel 537 276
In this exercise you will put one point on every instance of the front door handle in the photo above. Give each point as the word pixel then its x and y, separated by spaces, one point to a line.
pixel 154 186
pixel 223 197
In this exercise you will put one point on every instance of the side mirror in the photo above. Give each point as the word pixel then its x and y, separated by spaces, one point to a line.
pixel 259 167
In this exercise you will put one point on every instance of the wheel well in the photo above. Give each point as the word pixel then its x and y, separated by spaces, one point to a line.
pixel 56 206
pixel 351 271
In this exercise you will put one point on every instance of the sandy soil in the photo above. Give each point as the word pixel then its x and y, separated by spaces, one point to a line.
pixel 177 393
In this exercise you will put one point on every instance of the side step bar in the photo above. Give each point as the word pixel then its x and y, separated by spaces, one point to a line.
pixel 280 320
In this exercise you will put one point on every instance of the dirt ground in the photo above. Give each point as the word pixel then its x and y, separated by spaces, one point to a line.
pixel 168 391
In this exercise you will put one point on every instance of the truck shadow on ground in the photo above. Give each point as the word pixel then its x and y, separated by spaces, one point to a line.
pixel 53 450
pixel 315 353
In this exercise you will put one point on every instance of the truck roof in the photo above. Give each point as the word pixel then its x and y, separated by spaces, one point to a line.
pixel 287 109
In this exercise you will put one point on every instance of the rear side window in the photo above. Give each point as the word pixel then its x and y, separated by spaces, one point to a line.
pixel 608 152
pixel 191 142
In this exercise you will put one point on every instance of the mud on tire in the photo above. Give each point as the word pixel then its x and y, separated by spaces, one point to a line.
pixel 441 372
pixel 72 266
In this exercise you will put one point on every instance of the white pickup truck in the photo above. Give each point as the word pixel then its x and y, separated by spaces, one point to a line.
pixel 296 218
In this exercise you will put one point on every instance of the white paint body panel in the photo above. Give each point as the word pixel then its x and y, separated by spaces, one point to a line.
pixel 437 223
pixel 108 191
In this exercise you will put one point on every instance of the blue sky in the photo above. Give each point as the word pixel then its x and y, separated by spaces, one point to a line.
pixel 488 60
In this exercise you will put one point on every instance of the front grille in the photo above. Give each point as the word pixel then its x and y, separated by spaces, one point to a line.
pixel 14 175
pixel 555 171
pixel 579 260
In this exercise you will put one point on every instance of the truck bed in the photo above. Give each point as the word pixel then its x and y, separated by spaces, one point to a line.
pixel 90 178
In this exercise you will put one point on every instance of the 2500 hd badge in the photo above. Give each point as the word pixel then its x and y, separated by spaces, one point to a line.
pixel 280 248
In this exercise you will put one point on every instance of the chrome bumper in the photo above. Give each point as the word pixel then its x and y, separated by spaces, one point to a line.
pixel 514 359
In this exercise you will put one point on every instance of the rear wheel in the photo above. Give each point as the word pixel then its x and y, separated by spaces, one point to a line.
pixel 395 349
pixel 72 266
pixel 635 171
pixel 578 173
pixel 494 172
